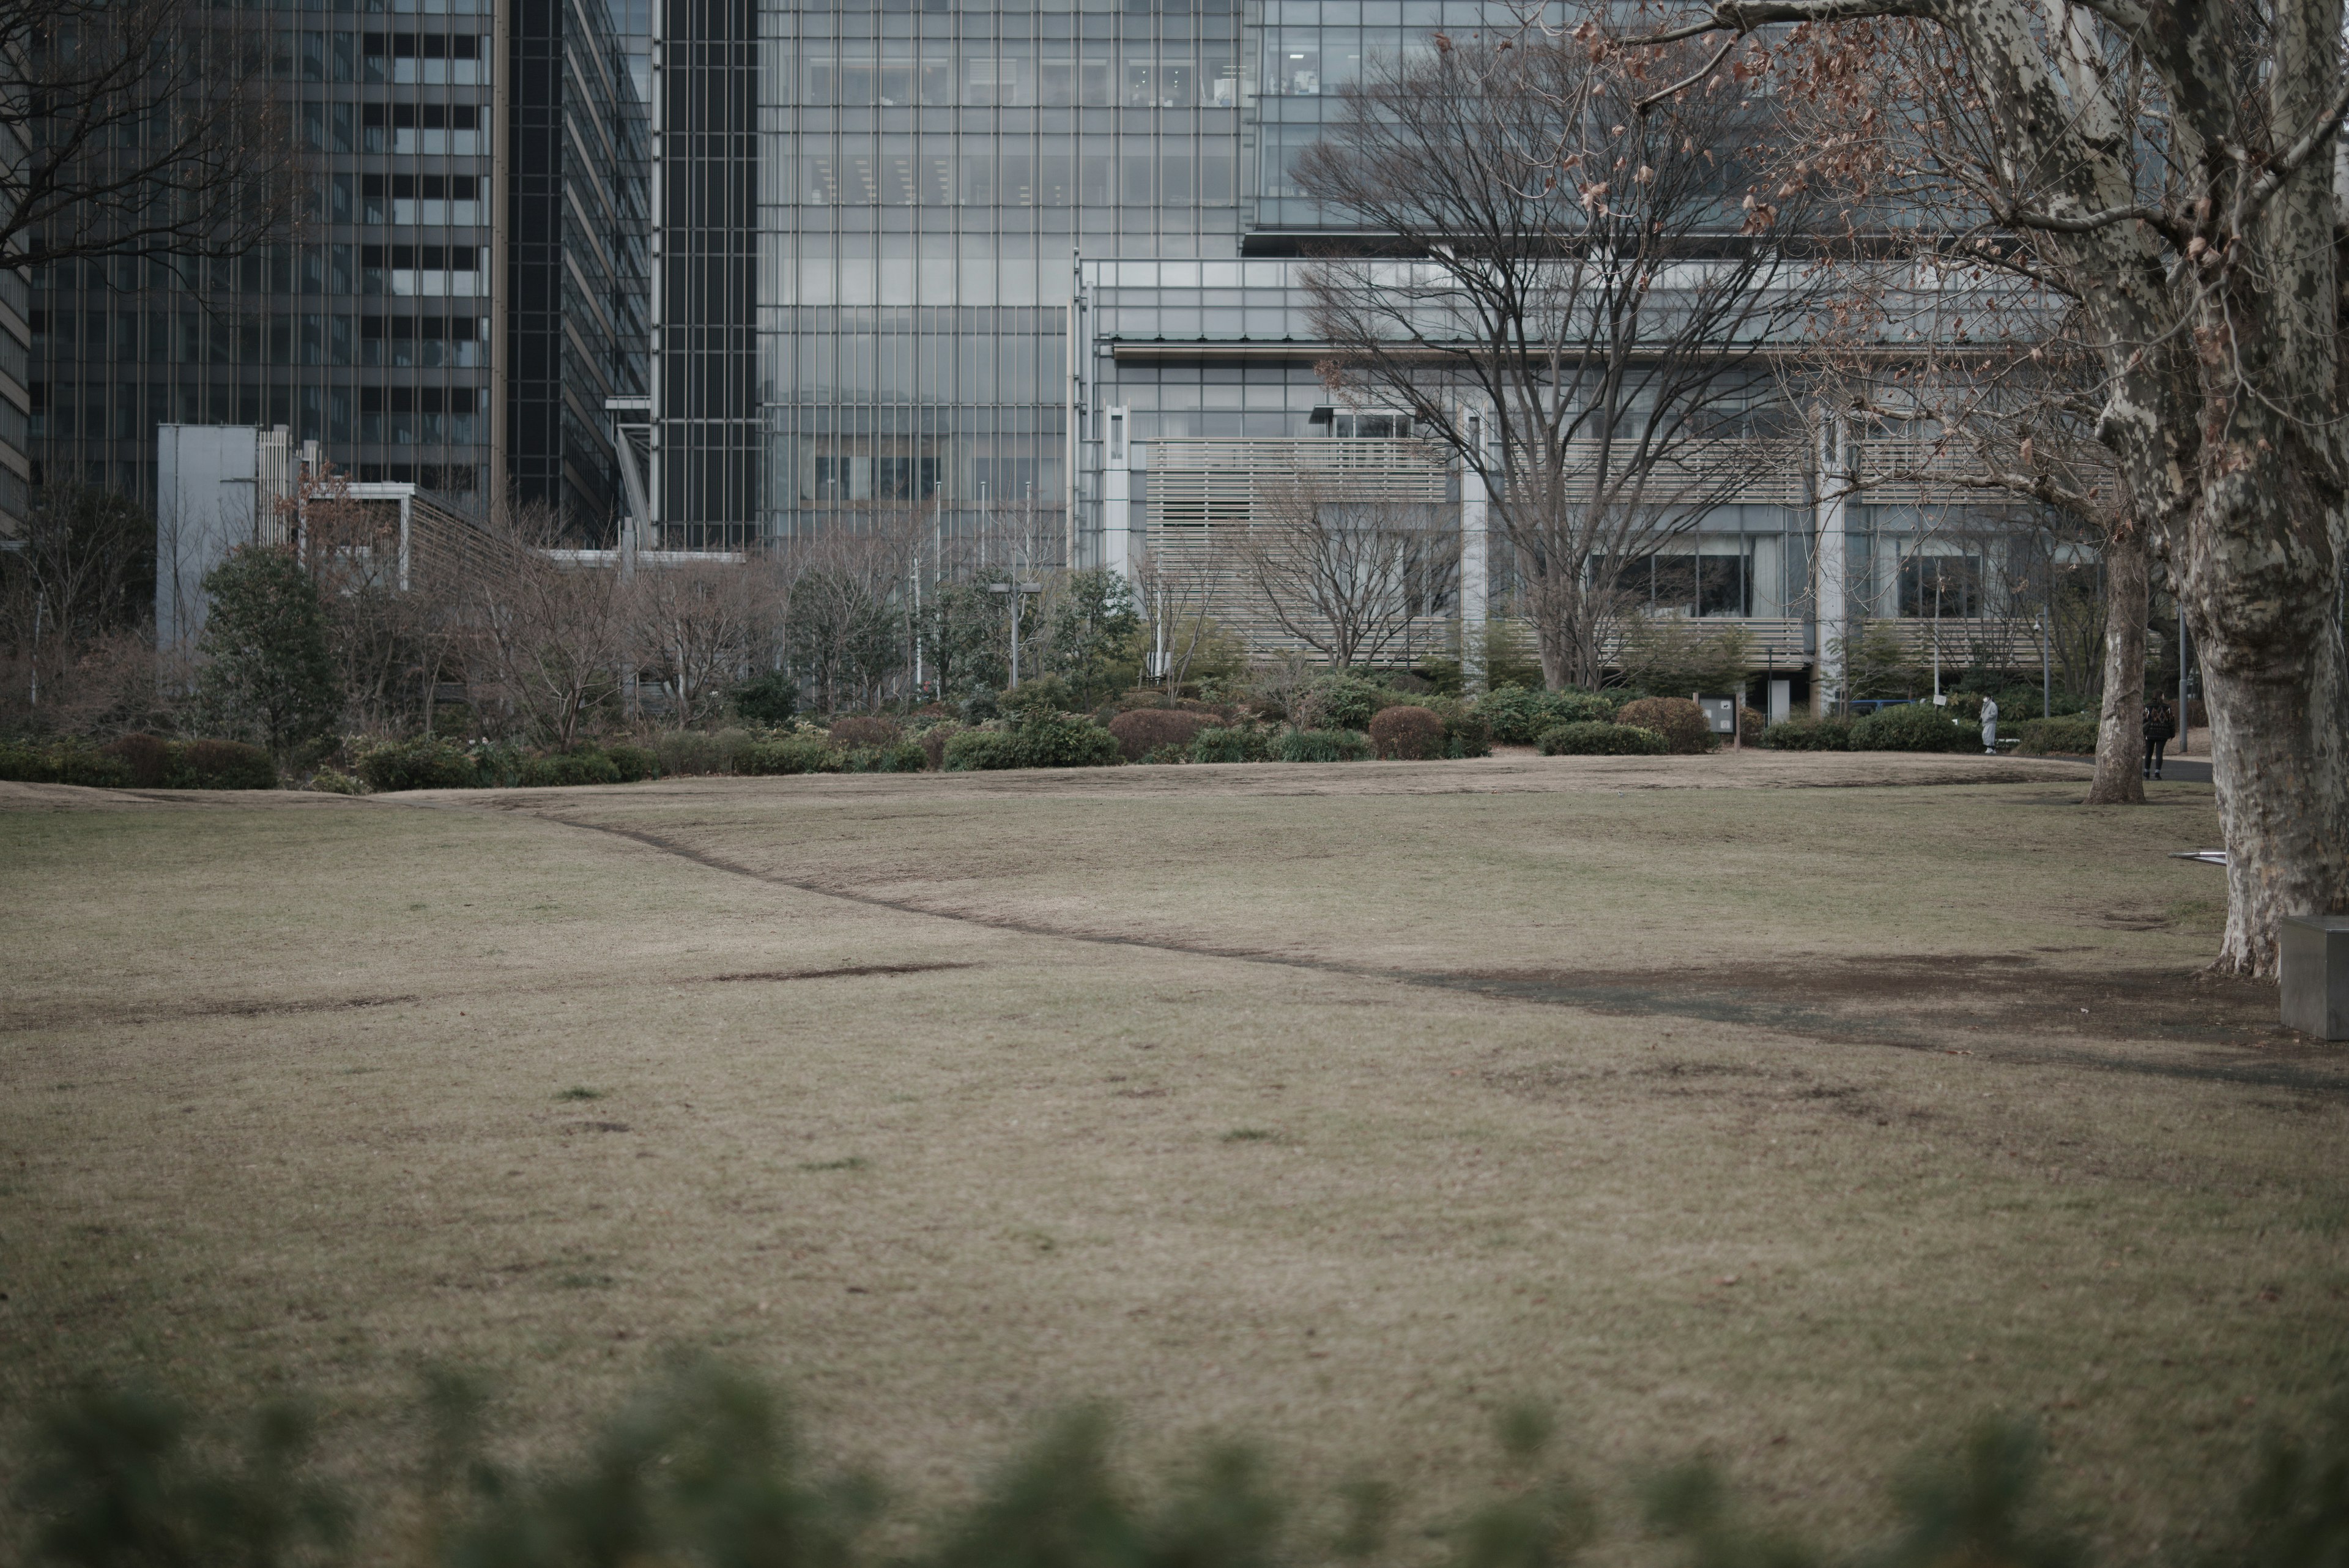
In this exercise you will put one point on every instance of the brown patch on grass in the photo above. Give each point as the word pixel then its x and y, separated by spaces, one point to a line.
pixel 839 972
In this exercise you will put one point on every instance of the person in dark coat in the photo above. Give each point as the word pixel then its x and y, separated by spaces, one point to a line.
pixel 2161 724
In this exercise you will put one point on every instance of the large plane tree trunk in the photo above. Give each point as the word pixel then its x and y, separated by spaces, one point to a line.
pixel 2120 724
pixel 2263 595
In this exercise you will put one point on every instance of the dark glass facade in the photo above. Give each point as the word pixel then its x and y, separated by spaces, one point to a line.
pixel 576 256
pixel 383 330
pixel 372 334
pixel 708 414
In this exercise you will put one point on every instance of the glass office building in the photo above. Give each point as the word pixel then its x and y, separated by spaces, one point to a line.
pixel 387 328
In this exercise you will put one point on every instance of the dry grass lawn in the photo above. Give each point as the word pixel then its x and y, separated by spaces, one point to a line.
pixel 1332 1105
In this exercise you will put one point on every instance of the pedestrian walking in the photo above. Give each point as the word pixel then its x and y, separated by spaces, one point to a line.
pixel 1990 726
pixel 2161 724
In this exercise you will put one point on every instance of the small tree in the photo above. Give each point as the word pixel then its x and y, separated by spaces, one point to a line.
pixel 268 670
pixel 1093 625
pixel 1343 572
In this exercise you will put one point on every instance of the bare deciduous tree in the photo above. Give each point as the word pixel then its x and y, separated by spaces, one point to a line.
pixel 1587 324
pixel 2174 172
pixel 1344 571
pixel 143 127
pixel 550 635
pixel 702 627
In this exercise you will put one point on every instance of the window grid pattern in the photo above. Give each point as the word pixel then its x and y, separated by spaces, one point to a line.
pixel 368 335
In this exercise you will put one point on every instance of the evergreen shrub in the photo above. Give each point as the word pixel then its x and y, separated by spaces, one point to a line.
pixel 62 762
pixel 790 755
pixel 220 765
pixel 1595 738
pixel 1913 727
pixel 2043 736
pixel 1828 734
pixel 1407 734
pixel 1516 716
pixel 426 762
pixel 561 769
pixel 1231 744
pixel 984 750
pixel 1049 740
pixel 1321 746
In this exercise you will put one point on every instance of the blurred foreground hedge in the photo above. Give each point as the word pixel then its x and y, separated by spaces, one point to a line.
pixel 706 1469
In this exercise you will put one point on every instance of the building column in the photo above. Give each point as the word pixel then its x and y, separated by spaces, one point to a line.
pixel 1117 540
pixel 1475 563
pixel 1832 569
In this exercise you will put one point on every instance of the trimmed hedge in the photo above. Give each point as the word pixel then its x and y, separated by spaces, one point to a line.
pixel 566 768
pixel 1466 732
pixel 1231 745
pixel 2041 736
pixel 62 762
pixel 1913 727
pixel 140 762
pixel 791 754
pixel 427 762
pixel 1595 739
pixel 1341 700
pixel 1828 734
pixel 1679 722
pixel 635 763
pixel 1407 734
pixel 984 750
pixel 220 765
pixel 1518 717
pixel 1321 746
pixel 899 757
pixel 1142 731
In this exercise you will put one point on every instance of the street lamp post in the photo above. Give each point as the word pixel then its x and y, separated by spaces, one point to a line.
pixel 1015 592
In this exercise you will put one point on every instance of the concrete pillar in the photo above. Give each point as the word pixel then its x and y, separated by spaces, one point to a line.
pixel 1117 512
pixel 1475 563
pixel 1832 569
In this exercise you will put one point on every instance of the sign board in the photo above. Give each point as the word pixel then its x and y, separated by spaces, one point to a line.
pixel 1719 714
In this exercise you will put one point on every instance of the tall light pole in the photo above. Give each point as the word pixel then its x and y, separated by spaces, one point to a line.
pixel 1015 591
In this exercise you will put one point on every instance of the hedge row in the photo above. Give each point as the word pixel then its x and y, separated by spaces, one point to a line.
pixel 429 762
pixel 140 762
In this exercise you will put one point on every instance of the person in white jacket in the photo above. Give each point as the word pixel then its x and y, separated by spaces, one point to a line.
pixel 1990 727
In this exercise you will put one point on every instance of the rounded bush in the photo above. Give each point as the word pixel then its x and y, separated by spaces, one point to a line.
pixel 2041 736
pixel 636 763
pixel 560 769
pixel 425 763
pixel 858 730
pixel 1913 727
pixel 1062 740
pixel 1407 734
pixel 1142 731
pixel 329 781
pixel 1517 716
pixel 1230 745
pixel 933 742
pixel 982 751
pixel 1321 746
pixel 221 765
pixel 1466 732
pixel 1340 701
pixel 1828 734
pixel 1595 739
pixel 149 758
pixel 1679 722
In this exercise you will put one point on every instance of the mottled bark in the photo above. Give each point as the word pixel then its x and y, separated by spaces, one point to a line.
pixel 2120 724
pixel 2261 585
